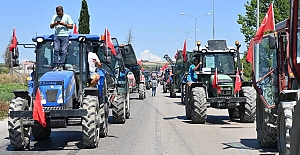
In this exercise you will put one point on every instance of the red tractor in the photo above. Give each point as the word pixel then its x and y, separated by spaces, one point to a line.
pixel 277 82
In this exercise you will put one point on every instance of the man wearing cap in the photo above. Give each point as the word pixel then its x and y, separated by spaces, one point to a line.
pixel 94 62
pixel 192 76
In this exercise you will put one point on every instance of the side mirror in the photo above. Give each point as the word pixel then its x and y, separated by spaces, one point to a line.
pixel 107 59
pixel 272 41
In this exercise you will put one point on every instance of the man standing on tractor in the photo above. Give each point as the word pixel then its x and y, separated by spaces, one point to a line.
pixel 62 23
pixel 192 76
pixel 94 62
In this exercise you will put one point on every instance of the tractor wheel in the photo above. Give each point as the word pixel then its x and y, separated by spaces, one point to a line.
pixel 127 106
pixel 284 121
pixel 265 125
pixel 19 135
pixel 90 122
pixel 233 113
pixel 182 94
pixel 164 88
pixel 247 110
pixel 119 113
pixel 141 91
pixel 104 125
pixel 295 130
pixel 39 132
pixel 199 107
pixel 188 106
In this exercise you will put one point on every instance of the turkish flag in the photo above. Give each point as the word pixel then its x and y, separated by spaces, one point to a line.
pixel 75 29
pixel 249 57
pixel 238 82
pixel 140 62
pixel 14 41
pixel 109 42
pixel 38 111
pixel 184 51
pixel 165 66
pixel 176 55
pixel 268 24
pixel 215 82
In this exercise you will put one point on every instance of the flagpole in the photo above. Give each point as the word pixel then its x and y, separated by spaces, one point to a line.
pixel 256 52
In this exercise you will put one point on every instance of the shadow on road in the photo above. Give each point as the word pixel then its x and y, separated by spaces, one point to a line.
pixel 250 144
pixel 59 140
pixel 211 119
pixel 179 103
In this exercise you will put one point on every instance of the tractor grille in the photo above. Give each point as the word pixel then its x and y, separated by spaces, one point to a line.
pixel 51 95
pixel 53 108
pixel 225 91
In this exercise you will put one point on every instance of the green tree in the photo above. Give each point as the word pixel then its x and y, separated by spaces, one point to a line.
pixel 84 19
pixel 248 21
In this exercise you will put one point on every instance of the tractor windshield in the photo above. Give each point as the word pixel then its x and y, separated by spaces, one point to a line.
pixel 224 62
pixel 45 52
pixel 110 67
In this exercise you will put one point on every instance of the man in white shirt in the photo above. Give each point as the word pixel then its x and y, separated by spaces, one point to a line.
pixel 94 62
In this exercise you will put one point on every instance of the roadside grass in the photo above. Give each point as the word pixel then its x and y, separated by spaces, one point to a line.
pixel 8 83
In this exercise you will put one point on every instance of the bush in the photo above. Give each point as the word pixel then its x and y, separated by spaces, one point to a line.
pixel 4 70
pixel 15 78
pixel 6 96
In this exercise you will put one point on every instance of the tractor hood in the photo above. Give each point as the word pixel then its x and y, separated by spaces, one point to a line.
pixel 222 78
pixel 51 87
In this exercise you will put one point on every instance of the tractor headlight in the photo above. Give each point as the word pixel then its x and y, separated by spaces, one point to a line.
pixel 60 99
pixel 81 38
pixel 39 40
pixel 204 51
pixel 43 100
pixel 232 50
pixel 28 78
pixel 93 77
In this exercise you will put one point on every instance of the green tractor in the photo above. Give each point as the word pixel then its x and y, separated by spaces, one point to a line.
pixel 219 60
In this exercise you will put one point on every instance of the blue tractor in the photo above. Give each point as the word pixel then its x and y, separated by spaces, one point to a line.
pixel 66 97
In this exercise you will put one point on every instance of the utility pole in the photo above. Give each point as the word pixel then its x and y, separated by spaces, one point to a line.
pixel 256 53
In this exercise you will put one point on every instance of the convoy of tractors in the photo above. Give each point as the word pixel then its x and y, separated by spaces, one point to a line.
pixel 67 98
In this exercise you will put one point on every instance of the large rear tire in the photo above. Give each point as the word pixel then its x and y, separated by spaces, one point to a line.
pixel 188 106
pixel 295 130
pixel 284 121
pixel 233 113
pixel 119 112
pixel 199 107
pixel 182 94
pixel 39 132
pixel 90 127
pixel 247 110
pixel 19 135
pixel 265 125
pixel 142 91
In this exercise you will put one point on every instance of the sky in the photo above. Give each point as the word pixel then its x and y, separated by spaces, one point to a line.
pixel 153 23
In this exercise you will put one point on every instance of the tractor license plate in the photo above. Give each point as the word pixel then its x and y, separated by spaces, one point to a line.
pixel 232 105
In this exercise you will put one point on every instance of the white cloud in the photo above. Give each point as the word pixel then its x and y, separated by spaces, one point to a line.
pixel 147 55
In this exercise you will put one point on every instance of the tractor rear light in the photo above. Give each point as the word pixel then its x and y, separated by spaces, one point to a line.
pixel 28 78
pixel 291 75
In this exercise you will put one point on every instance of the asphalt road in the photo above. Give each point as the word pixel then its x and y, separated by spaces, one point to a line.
pixel 157 126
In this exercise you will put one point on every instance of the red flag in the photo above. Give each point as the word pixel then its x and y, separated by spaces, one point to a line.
pixel 184 51
pixel 176 55
pixel 215 82
pixel 249 57
pixel 109 42
pixel 238 82
pixel 268 24
pixel 14 41
pixel 165 66
pixel 140 62
pixel 38 111
pixel 75 29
